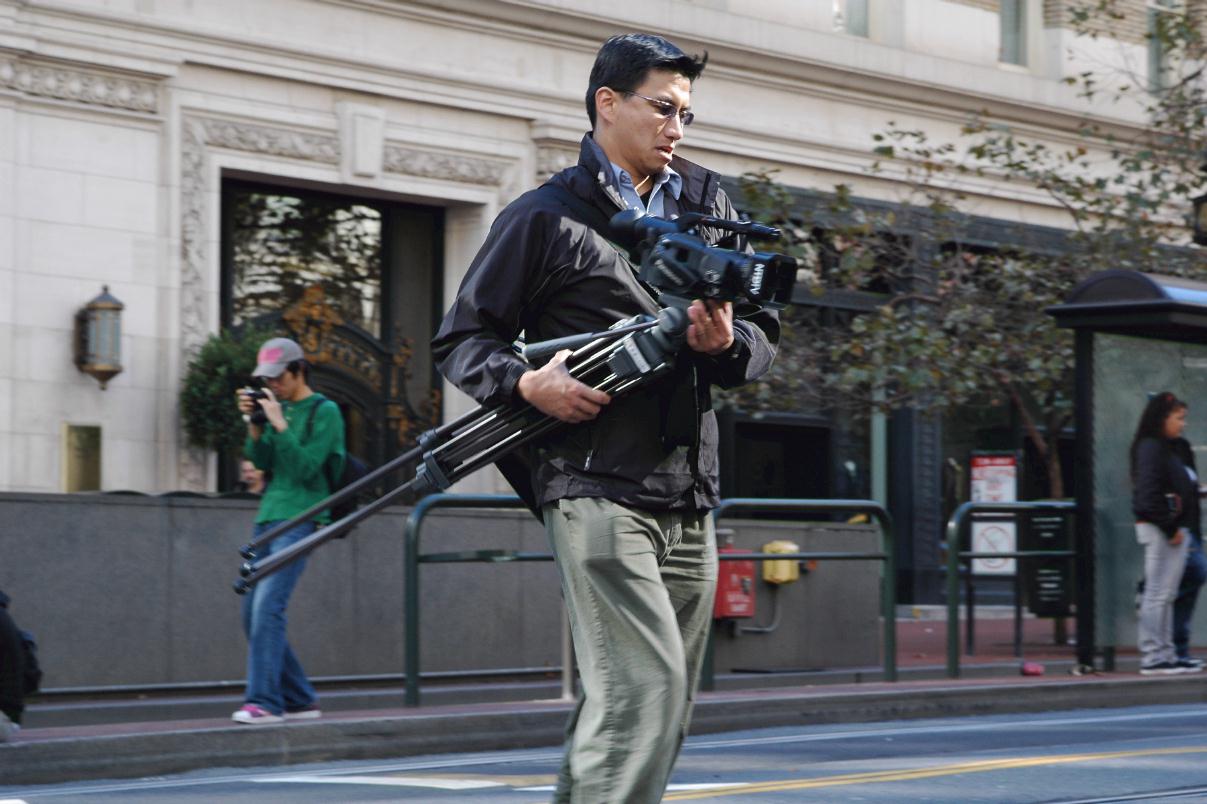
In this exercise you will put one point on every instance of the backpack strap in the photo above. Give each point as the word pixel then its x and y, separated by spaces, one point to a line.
pixel 310 416
pixel 332 482
pixel 594 217
pixel 589 214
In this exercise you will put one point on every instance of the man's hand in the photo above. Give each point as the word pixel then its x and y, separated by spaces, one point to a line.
pixel 272 409
pixel 551 390
pixel 711 328
pixel 247 406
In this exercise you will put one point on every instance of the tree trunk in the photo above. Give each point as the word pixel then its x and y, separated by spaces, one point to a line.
pixel 1056 481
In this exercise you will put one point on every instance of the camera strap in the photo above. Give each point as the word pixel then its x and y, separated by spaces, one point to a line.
pixel 594 217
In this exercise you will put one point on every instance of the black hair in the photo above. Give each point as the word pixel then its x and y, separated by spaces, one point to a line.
pixel 1152 421
pixel 295 366
pixel 623 62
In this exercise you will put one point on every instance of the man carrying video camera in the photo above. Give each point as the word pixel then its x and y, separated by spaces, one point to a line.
pixel 296 437
pixel 625 492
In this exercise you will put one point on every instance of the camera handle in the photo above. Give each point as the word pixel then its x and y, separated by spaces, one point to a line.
pixel 540 350
pixel 616 362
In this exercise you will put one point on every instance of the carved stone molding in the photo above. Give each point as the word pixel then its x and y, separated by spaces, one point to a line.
pixel 192 462
pixel 79 85
pixel 271 141
pixel 450 167
pixel 551 159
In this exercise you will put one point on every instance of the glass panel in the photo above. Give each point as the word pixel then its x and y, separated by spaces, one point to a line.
pixel 1126 371
pixel 110 351
pixel 283 243
pixel 91 345
pixel 1013 48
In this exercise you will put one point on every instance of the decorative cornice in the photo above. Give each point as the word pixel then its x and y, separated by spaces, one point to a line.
pixel 78 85
pixel 450 167
pixel 273 141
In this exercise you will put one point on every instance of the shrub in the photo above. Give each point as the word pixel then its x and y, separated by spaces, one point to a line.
pixel 207 399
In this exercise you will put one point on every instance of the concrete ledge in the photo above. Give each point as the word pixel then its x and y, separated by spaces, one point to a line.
pixel 125 750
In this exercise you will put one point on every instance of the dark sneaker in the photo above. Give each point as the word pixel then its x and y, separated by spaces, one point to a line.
pixel 1190 665
pixel 305 713
pixel 255 715
pixel 1160 669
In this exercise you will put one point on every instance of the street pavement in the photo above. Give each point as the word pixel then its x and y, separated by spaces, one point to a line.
pixel 85 737
pixel 1150 754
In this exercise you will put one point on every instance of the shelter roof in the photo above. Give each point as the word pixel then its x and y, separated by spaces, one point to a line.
pixel 1140 304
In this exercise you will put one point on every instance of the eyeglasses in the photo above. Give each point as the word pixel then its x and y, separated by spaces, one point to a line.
pixel 667 110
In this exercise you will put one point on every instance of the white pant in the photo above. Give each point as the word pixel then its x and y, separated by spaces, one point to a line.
pixel 1163 565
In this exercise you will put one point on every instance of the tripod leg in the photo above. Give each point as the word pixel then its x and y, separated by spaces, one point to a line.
pixel 366 482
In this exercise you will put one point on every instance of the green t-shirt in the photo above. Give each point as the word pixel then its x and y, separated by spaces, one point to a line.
pixel 302 459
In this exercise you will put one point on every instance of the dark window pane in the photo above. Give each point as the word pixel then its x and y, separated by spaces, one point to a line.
pixel 282 244
pixel 1013 47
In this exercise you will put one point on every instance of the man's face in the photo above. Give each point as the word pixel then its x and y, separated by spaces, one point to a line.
pixel 285 386
pixel 644 139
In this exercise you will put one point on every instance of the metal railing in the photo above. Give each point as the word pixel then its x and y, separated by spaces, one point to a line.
pixel 957 526
pixel 412 558
pixel 888 588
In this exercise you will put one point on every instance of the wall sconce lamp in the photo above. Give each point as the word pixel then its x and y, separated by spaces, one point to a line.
pixel 98 337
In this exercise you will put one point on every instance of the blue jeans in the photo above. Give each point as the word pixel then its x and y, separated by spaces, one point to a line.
pixel 275 679
pixel 1188 592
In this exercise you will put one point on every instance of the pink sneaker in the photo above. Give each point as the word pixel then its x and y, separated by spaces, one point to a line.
pixel 255 715
pixel 305 713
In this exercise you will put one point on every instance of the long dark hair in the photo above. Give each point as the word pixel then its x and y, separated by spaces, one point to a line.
pixel 1152 421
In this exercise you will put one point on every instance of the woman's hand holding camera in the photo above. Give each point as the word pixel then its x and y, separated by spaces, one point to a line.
pixel 267 402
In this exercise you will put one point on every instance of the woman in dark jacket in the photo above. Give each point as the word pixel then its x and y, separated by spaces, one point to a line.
pixel 1163 500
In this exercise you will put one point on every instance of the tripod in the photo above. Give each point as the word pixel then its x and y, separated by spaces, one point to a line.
pixel 626 357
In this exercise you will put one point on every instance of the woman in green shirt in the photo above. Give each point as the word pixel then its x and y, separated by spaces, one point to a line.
pixel 298 441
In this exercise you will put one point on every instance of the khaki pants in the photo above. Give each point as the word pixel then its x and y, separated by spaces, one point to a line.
pixel 639 590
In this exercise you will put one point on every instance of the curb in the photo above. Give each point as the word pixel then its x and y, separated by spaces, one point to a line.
pixel 159 749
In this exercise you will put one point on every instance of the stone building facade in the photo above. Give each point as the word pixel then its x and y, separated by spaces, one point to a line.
pixel 127 127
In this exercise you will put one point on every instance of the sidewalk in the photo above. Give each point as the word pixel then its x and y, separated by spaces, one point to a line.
pixel 191 732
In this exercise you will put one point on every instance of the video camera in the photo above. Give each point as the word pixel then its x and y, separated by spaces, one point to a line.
pixel 683 267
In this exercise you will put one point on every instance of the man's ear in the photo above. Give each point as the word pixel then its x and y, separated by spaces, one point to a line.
pixel 606 101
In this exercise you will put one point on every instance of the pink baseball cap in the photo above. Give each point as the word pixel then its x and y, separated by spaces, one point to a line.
pixel 275 355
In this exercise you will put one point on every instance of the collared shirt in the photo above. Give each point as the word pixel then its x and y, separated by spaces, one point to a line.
pixel 668 181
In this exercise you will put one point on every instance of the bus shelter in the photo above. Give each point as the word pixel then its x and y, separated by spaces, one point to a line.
pixel 1136 335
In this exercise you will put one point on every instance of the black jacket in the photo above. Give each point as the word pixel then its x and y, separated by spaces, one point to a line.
pixel 544 273
pixel 1158 472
